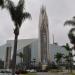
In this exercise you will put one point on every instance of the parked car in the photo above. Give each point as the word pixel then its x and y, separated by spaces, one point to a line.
pixel 31 70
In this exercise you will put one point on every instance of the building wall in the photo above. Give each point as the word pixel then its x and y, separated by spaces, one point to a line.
pixel 53 49
pixel 18 59
pixel 27 55
pixel 21 44
pixel 33 46
pixel 7 58
pixel 2 52
pixel 35 49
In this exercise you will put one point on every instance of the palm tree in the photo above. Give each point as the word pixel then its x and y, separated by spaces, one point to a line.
pixel 71 34
pixel 68 58
pixel 58 58
pixel 1 3
pixel 18 16
pixel 21 56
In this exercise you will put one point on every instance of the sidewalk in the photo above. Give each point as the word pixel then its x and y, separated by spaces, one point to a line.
pixel 53 73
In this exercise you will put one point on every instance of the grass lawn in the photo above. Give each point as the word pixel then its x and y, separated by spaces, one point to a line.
pixel 73 74
pixel 30 74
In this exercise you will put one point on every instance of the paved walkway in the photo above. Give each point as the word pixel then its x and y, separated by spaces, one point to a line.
pixel 48 73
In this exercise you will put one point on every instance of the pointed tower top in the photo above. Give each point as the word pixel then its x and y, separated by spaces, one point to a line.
pixel 43 19
pixel 43 9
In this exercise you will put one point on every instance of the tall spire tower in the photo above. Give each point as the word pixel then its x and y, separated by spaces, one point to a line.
pixel 44 36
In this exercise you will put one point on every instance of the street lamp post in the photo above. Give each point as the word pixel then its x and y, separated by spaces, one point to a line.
pixel 34 60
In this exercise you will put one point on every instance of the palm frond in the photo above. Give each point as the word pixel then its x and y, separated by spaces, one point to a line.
pixel 67 47
pixel 72 30
pixel 20 6
pixel 74 17
pixel 23 17
pixel 16 12
pixel 2 3
pixel 58 56
pixel 26 15
pixel 21 54
pixel 10 4
pixel 70 22
pixel 12 10
pixel 67 58
pixel 72 36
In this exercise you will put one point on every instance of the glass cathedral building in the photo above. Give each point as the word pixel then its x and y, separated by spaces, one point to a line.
pixel 38 48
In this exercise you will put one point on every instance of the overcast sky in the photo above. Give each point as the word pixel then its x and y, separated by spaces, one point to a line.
pixel 58 12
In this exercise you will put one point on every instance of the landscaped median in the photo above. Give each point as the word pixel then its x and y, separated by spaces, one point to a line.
pixel 29 74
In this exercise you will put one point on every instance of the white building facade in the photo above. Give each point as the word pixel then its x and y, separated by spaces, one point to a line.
pixel 31 45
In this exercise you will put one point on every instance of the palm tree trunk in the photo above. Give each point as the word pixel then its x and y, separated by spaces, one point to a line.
pixel 16 32
pixel 14 56
pixel 70 57
pixel 21 63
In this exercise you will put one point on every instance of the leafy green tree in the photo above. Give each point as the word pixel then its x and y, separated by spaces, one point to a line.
pixel 71 34
pixel 21 55
pixel 68 58
pixel 58 57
